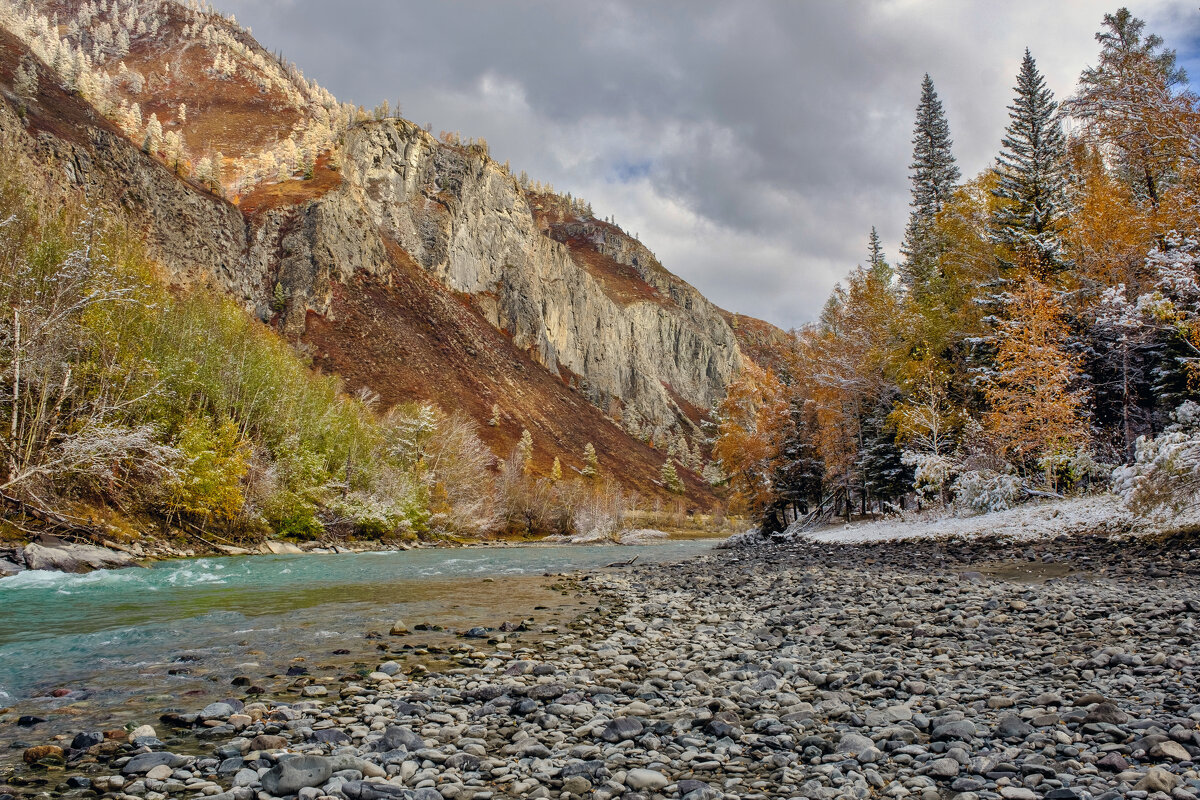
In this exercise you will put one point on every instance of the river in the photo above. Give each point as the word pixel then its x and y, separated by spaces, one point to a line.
pixel 119 647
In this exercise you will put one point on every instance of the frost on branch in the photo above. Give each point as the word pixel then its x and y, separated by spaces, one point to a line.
pixel 932 473
pixel 1166 469
pixel 986 490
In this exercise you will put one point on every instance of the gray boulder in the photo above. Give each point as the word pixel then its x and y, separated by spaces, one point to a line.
pixel 74 558
pixel 141 764
pixel 290 776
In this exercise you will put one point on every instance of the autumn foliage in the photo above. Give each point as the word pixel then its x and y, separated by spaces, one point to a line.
pixel 1043 324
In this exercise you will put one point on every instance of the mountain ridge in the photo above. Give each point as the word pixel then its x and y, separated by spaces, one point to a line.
pixel 567 293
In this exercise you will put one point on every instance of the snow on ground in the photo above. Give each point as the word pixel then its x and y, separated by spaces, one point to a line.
pixel 1046 519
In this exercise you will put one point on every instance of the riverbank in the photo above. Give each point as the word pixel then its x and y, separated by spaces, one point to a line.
pixel 50 553
pixel 119 647
pixel 975 669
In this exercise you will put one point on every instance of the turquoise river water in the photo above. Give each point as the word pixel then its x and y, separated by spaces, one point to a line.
pixel 112 647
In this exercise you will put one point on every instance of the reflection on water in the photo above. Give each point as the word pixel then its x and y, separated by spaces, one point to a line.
pixel 120 643
pixel 1027 571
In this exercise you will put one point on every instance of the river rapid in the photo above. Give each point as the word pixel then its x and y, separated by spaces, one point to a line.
pixel 119 647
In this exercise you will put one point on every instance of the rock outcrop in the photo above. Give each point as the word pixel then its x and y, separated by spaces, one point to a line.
pixel 75 558
pixel 573 295
pixel 467 222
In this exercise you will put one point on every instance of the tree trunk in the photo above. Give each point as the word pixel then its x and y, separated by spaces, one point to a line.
pixel 16 393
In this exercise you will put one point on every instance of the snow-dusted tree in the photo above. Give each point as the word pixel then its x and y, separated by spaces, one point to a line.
pixel 1032 176
pixel 218 171
pixel 885 476
pixel 1135 104
pixel 1157 333
pixel 524 451
pixel 25 81
pixel 460 465
pixel 670 478
pixel 875 258
pixel 591 463
pixel 1166 468
pixel 204 170
pixel 934 175
pixel 926 423
pixel 173 150
pixel 799 470
pixel 133 120
pixel 154 134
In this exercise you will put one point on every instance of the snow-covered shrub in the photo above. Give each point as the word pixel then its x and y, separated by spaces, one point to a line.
pixel 1075 470
pixel 1166 468
pixel 932 474
pixel 986 490
pixel 379 516
pixel 592 522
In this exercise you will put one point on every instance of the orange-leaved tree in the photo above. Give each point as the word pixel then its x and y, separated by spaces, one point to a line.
pixel 751 422
pixel 1036 407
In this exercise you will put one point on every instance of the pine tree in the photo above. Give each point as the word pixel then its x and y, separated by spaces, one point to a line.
pixel 25 80
pixel 279 298
pixel 799 472
pixel 1032 176
pixel 934 177
pixel 877 265
pixel 154 134
pixel 670 478
pixel 525 451
pixel 880 461
pixel 591 464
pixel 556 470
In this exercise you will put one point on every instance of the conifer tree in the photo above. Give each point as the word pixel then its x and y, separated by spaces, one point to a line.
pixel 525 451
pixel 877 265
pixel 670 478
pixel 591 464
pixel 556 470
pixel 799 471
pixel 934 176
pixel 880 461
pixel 1032 176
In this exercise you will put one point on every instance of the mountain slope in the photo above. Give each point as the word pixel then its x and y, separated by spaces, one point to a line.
pixel 417 268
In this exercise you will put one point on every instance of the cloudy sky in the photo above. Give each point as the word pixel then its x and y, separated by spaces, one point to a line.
pixel 751 144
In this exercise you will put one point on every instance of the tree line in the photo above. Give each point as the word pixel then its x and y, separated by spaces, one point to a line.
pixel 1041 329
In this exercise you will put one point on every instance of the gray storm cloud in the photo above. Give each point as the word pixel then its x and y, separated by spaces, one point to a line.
pixel 751 145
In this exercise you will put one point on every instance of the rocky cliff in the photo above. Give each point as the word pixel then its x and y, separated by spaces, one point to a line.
pixel 572 297
pixel 466 221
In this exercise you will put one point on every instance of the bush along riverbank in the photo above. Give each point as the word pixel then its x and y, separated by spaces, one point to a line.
pixel 799 670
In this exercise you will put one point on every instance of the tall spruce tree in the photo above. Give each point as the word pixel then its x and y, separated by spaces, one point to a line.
pixel 886 478
pixel 934 177
pixel 877 264
pixel 1032 176
pixel 799 471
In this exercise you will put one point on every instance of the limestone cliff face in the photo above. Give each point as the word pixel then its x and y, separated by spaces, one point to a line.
pixel 647 354
pixel 467 222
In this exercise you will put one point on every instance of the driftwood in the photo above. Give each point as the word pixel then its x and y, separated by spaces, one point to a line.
pixel 1037 493
pixel 85 529
pixel 623 563
pixel 818 516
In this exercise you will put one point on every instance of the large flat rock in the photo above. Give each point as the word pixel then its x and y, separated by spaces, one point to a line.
pixel 75 558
